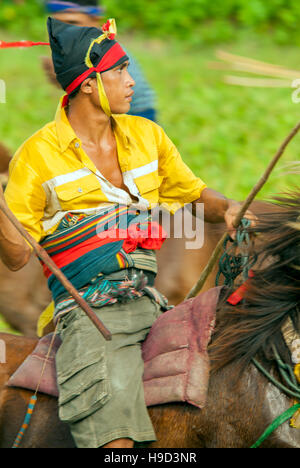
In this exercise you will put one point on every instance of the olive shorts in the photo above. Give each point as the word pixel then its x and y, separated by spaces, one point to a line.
pixel 101 393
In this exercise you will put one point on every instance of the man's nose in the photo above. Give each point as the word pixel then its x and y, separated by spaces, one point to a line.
pixel 131 81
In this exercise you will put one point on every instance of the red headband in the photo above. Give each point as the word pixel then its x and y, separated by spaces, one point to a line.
pixel 112 56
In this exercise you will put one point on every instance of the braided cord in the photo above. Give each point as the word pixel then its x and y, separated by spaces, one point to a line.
pixel 231 265
pixel 276 423
pixel 292 389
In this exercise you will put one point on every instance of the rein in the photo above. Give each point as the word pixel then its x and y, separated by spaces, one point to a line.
pixel 33 398
pixel 276 423
pixel 231 265
pixel 292 388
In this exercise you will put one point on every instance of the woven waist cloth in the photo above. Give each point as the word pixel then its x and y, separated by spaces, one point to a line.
pixel 122 286
pixel 88 248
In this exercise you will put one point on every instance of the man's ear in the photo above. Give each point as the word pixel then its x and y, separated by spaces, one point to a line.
pixel 87 86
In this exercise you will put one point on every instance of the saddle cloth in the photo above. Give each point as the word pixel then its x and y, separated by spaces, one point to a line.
pixel 174 353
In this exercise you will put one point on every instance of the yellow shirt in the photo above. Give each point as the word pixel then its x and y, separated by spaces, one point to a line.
pixel 51 174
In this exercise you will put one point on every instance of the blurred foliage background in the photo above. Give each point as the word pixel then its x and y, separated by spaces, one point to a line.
pixel 199 21
pixel 226 134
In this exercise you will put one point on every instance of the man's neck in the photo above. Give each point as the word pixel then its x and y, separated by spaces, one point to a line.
pixel 89 123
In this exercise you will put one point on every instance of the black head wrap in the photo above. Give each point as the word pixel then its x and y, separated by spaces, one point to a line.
pixel 70 44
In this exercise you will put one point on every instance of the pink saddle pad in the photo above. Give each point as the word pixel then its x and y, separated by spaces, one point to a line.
pixel 174 353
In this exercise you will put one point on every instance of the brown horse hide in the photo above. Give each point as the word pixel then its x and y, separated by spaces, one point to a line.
pixel 5 157
pixel 24 294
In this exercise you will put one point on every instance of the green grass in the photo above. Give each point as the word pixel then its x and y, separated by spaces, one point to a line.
pixel 5 327
pixel 226 134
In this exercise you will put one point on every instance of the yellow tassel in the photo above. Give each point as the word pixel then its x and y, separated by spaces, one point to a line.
pixel 295 421
pixel 102 96
pixel 45 319
pixel 88 61
pixel 106 35
pixel 111 29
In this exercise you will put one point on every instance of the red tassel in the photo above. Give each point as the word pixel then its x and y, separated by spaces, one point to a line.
pixel 238 295
pixel 65 101
pixel 7 45
pixel 106 26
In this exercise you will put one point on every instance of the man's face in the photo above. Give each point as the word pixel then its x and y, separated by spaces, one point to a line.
pixel 78 19
pixel 118 85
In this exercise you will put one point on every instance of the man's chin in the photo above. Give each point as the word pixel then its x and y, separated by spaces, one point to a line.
pixel 121 109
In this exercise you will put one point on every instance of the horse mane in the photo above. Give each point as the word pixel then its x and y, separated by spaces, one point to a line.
pixel 253 326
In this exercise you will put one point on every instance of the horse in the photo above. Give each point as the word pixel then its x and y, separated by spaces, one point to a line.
pixel 241 401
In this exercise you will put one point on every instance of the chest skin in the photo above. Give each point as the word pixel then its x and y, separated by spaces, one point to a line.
pixel 105 158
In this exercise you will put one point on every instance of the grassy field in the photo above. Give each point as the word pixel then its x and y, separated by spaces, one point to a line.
pixel 226 134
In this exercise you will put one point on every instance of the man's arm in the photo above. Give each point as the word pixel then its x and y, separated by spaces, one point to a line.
pixel 14 251
pixel 219 209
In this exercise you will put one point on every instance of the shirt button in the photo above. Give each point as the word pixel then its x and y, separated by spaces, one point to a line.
pixel 77 145
pixel 79 190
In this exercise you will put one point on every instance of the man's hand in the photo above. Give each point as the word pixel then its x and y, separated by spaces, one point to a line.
pixel 231 214
pixel 219 209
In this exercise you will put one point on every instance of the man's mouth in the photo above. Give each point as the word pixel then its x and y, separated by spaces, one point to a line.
pixel 129 96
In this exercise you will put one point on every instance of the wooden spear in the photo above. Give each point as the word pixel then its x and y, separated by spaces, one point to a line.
pixel 42 254
pixel 216 253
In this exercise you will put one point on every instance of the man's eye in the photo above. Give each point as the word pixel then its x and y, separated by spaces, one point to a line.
pixel 123 67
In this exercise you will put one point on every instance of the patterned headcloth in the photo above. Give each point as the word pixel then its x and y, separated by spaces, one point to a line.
pixel 89 7
pixel 79 52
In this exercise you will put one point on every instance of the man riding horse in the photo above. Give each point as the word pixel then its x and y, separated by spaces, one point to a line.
pixel 77 185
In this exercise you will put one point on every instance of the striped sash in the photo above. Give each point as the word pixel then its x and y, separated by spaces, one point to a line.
pixel 85 246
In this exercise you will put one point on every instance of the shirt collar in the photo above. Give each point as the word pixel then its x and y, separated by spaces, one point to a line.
pixel 66 134
pixel 120 130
